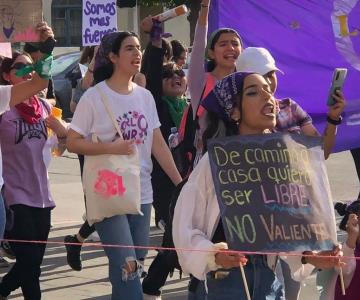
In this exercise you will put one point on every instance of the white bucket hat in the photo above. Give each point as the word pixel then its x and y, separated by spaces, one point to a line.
pixel 256 59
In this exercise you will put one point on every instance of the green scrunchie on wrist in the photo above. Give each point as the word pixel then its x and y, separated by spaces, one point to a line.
pixel 42 67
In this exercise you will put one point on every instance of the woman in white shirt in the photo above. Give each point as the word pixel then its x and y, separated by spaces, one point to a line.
pixel 118 60
pixel 240 104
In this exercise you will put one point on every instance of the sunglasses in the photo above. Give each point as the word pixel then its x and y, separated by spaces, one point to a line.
pixel 170 74
pixel 19 66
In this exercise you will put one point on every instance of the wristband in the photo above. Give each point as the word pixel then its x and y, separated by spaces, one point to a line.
pixel 204 5
pixel 48 46
pixel 157 32
pixel 334 122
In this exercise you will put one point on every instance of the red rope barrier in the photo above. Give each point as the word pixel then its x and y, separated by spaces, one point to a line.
pixel 87 244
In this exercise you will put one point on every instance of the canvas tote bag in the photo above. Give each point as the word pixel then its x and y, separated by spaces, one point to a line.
pixel 111 182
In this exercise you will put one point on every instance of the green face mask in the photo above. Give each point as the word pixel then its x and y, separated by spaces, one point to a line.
pixel 42 67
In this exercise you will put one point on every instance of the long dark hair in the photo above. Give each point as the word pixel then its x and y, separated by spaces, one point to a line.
pixel 145 63
pixel 87 55
pixel 6 64
pixel 106 69
pixel 217 128
pixel 178 49
pixel 211 64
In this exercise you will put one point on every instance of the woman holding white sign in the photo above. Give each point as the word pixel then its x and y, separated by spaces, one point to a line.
pixel 240 104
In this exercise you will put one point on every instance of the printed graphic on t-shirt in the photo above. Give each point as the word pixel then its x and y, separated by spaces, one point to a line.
pixel 134 126
pixel 24 129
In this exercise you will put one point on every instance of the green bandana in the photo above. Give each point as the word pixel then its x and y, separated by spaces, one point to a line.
pixel 176 107
pixel 42 67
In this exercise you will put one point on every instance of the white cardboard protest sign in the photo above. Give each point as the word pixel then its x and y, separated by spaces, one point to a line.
pixel 99 18
pixel 5 50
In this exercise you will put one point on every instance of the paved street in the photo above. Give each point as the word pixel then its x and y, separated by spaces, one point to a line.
pixel 58 281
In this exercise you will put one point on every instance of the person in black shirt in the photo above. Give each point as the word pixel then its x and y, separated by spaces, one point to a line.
pixel 167 83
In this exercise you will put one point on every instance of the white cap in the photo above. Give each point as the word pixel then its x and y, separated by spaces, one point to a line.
pixel 256 59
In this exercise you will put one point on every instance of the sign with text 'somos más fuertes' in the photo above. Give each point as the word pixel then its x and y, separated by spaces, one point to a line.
pixel 99 18
pixel 273 192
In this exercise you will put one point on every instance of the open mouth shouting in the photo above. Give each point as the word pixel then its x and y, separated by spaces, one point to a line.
pixel 230 57
pixel 136 62
pixel 269 110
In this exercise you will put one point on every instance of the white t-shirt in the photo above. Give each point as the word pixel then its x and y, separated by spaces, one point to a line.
pixel 137 118
pixel 5 96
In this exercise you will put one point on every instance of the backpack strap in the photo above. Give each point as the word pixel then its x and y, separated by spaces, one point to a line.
pixel 105 101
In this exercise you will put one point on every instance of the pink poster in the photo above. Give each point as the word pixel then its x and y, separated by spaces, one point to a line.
pixel 18 19
pixel 5 50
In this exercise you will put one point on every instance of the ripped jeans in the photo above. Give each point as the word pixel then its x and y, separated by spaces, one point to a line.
pixel 125 230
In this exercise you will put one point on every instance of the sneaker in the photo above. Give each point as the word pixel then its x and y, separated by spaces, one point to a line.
pixel 4 263
pixel 94 237
pixel 5 250
pixel 161 225
pixel 73 253
pixel 151 297
pixel 143 274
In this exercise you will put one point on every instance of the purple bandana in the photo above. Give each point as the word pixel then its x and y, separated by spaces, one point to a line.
pixel 221 100
pixel 102 56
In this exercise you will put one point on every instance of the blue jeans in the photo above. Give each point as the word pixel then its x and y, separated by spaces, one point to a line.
pixel 199 293
pixel 2 217
pixel 262 283
pixel 125 230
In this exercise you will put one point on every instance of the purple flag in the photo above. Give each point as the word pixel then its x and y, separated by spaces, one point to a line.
pixel 308 39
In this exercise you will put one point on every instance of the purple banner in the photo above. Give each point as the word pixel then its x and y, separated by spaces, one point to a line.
pixel 308 39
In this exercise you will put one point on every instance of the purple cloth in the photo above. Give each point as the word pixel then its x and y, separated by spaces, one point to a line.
pixel 308 40
pixel 157 32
